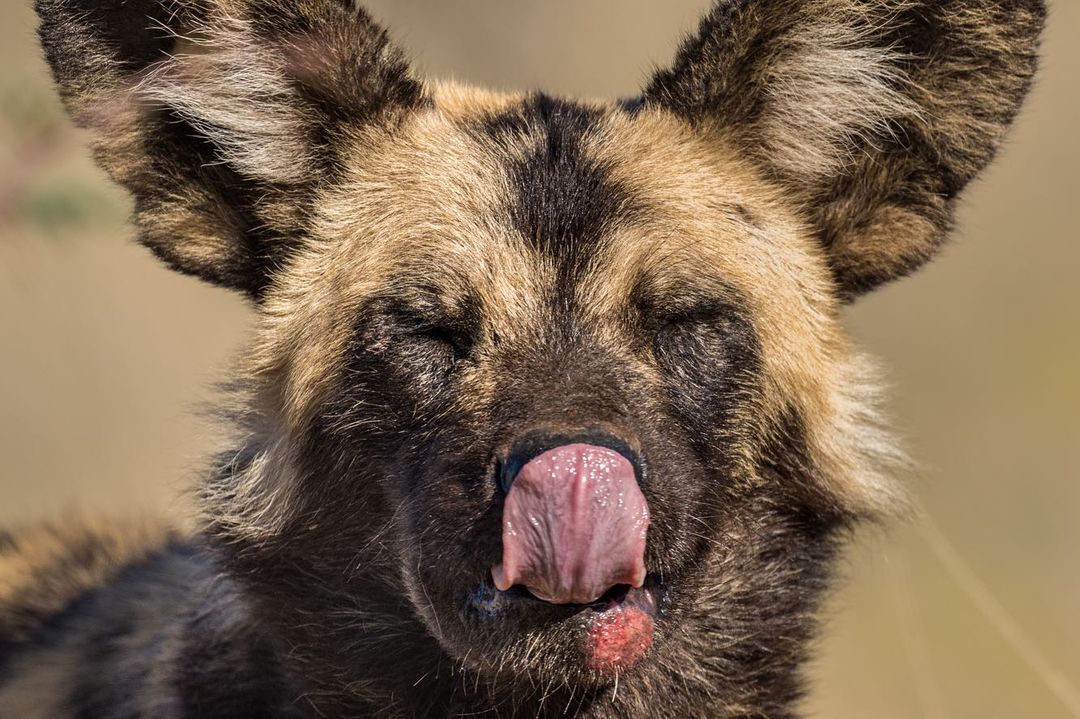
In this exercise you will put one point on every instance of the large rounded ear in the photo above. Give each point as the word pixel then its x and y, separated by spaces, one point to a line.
pixel 872 114
pixel 222 116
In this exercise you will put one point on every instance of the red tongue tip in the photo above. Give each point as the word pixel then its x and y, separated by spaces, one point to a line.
pixel 574 525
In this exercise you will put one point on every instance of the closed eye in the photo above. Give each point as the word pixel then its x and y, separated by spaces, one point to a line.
pixel 444 336
pixel 704 314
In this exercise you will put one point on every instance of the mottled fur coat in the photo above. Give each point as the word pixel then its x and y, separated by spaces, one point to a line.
pixel 448 282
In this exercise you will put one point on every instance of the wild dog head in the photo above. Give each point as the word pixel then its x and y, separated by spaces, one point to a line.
pixel 563 383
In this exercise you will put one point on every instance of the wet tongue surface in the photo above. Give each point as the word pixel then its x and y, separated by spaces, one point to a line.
pixel 574 525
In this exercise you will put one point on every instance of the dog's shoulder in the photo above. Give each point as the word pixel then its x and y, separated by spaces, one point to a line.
pixel 69 594
pixel 45 568
pixel 128 618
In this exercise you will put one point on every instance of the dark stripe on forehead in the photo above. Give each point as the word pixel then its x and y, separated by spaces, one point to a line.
pixel 562 200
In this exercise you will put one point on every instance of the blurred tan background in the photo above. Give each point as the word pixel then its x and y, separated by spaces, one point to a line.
pixel 105 358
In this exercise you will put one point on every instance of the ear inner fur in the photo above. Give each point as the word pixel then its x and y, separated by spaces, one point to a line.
pixel 868 112
pixel 221 117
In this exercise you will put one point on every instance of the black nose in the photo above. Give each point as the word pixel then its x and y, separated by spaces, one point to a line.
pixel 533 444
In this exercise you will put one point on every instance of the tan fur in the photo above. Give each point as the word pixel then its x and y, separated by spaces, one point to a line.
pixel 42 572
pixel 874 114
pixel 463 101
pixel 47 566
pixel 830 91
pixel 699 192
pixel 423 200
pixel 427 199
pixel 211 79
pixel 36 690
pixel 442 275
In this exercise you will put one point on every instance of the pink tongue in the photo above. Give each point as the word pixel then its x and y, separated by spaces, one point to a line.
pixel 574 525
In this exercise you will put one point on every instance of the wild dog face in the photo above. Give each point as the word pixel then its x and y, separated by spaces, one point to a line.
pixel 564 381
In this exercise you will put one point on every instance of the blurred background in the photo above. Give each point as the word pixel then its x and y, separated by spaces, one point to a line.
pixel 105 359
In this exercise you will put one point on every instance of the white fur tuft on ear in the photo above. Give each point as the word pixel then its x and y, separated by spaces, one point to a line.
pixel 827 94
pixel 223 117
pixel 238 95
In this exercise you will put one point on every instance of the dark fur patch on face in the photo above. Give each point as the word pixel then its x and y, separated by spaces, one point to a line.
pixel 564 201
pixel 709 357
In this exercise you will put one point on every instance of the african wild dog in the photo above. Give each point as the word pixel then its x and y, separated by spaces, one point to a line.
pixel 549 410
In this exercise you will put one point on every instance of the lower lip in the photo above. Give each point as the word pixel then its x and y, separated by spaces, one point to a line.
pixel 619 628
pixel 620 635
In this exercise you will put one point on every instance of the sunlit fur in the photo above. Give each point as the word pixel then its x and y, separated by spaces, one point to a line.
pixel 436 269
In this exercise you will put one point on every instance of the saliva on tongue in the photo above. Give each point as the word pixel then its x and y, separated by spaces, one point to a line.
pixel 574 525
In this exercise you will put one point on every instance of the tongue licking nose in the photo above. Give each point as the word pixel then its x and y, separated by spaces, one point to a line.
pixel 574 525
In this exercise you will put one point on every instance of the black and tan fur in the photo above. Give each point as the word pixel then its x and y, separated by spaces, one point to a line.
pixel 436 270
